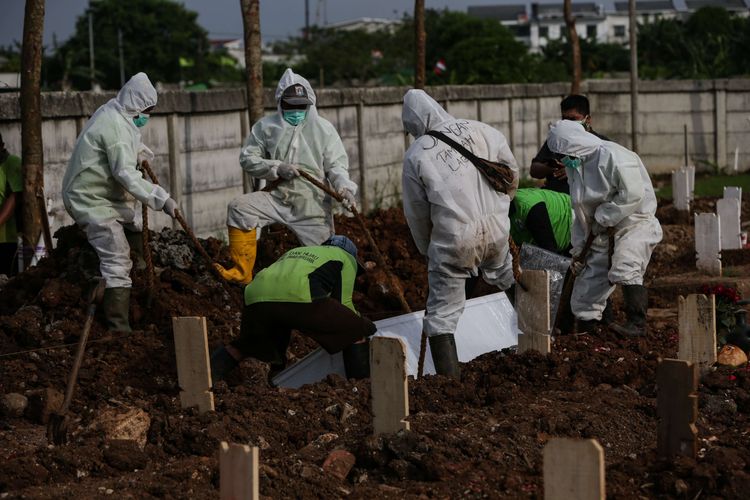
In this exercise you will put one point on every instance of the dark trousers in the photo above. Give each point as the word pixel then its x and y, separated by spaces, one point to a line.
pixel 267 327
pixel 8 262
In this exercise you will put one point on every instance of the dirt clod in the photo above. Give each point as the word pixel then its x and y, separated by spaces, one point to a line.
pixel 338 463
pixel 13 405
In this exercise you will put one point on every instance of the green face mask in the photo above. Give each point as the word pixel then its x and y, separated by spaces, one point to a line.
pixel 295 116
pixel 140 120
pixel 570 162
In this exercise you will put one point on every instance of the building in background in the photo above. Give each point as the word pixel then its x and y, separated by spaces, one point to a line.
pixel 368 24
pixel 536 23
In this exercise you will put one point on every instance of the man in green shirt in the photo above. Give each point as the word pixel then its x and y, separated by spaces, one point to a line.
pixel 308 289
pixel 543 218
pixel 11 183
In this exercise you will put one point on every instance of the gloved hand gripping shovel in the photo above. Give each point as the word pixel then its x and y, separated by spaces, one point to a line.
pixel 59 422
pixel 183 223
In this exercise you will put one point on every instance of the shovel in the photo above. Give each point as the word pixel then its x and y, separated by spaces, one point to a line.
pixel 59 422
pixel 563 308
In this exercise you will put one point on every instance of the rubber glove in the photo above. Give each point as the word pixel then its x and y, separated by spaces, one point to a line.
pixel 349 201
pixel 144 153
pixel 287 171
pixel 170 207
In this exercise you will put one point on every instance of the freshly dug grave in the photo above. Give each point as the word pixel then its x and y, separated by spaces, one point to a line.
pixel 480 436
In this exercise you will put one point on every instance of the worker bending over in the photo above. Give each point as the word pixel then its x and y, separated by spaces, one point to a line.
pixel 102 186
pixel 308 289
pixel 294 138
pixel 455 216
pixel 613 199
pixel 541 217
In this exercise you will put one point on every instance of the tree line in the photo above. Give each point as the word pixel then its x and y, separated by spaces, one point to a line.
pixel 164 39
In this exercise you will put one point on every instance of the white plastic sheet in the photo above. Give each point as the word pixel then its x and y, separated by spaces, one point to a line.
pixel 487 324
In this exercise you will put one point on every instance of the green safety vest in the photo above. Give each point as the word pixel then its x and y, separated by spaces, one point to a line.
pixel 287 279
pixel 559 210
pixel 11 181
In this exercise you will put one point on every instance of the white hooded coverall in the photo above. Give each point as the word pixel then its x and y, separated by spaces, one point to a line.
pixel 612 189
pixel 456 218
pixel 101 180
pixel 315 147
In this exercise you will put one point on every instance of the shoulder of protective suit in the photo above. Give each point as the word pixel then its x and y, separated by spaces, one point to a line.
pixel 322 122
pixel 109 121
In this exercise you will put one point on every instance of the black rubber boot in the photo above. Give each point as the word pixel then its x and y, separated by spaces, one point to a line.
pixel 221 363
pixel 135 240
pixel 586 326
pixel 636 306
pixel 608 315
pixel 357 360
pixel 115 309
pixel 444 355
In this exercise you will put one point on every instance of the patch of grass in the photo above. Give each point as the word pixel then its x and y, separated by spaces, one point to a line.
pixel 709 185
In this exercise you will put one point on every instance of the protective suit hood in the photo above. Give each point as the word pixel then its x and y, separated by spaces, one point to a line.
pixel 136 95
pixel 290 78
pixel 422 113
pixel 570 138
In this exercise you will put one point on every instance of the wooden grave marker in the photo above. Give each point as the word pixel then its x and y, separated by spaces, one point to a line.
pixel 681 189
pixel 533 312
pixel 697 330
pixel 193 365
pixel 708 243
pixel 389 386
pixel 728 210
pixel 573 469
pixel 677 408
pixel 238 472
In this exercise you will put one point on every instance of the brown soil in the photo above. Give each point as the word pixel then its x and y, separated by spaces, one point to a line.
pixel 481 436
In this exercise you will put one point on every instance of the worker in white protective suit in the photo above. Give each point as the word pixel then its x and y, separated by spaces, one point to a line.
pixel 102 188
pixel 455 216
pixel 613 199
pixel 295 138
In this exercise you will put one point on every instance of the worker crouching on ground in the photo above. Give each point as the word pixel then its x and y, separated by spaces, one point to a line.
pixel 455 216
pixel 295 138
pixel 613 200
pixel 101 186
pixel 308 289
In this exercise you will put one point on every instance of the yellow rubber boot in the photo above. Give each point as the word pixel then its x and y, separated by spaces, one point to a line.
pixel 242 248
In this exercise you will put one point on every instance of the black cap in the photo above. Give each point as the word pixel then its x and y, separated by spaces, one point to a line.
pixel 295 94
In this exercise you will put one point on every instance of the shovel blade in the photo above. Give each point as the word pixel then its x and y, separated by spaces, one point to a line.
pixel 57 428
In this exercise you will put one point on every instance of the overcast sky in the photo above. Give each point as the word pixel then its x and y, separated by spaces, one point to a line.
pixel 221 18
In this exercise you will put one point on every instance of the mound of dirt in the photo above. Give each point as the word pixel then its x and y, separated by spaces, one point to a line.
pixel 480 436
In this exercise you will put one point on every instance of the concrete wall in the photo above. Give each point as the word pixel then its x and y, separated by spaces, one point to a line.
pixel 197 136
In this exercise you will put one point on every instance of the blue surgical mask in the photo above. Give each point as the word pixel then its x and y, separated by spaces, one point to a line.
pixel 140 120
pixel 295 116
pixel 570 162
